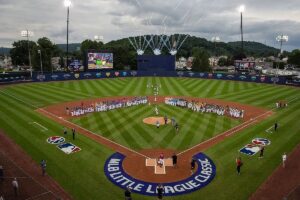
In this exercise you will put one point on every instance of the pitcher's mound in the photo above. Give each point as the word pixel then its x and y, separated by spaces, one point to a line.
pixel 153 120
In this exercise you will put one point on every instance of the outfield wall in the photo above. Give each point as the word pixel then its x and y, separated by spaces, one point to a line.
pixel 63 76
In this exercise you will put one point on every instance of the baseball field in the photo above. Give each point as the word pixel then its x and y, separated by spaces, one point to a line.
pixel 82 174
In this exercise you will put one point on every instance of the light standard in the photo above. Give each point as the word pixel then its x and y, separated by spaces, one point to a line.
pixel 67 4
pixel 241 10
pixel 28 34
pixel 215 40
pixel 98 38
pixel 281 39
pixel 41 63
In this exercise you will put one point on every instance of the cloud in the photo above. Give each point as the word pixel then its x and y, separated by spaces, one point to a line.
pixel 115 19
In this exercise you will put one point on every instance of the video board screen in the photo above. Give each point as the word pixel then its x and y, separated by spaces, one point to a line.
pixel 100 61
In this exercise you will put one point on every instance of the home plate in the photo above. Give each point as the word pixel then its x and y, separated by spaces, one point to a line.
pixel 150 162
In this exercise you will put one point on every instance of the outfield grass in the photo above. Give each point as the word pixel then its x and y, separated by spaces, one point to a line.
pixel 82 174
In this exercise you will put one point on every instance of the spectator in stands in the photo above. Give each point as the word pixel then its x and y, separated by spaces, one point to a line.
pixel 15 186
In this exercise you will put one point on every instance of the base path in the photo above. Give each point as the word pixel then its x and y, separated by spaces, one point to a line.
pixel 32 185
pixel 284 182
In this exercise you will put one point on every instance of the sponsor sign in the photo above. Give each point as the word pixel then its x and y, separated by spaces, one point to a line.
pixel 68 148
pixel 253 78
pixel 56 140
pixel 202 74
pixel 230 76
pixel 124 73
pixel 191 74
pixel 275 79
pixel 117 74
pixel 203 176
pixel 243 77
pixel 98 75
pixel 210 75
pixel 262 79
pixel 133 73
pixel 40 77
pixel 77 76
pixel 107 74
pixel 87 75
pixel 254 147
pixel 54 77
pixel 219 76
pixel 67 76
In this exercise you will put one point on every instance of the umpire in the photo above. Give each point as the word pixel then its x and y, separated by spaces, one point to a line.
pixel 127 193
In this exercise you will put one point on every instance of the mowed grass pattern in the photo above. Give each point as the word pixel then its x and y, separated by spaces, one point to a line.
pixel 82 174
pixel 126 127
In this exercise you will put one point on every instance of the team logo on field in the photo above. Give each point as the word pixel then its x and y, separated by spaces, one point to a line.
pixel 255 146
pixel 68 148
pixel 55 140
pixel 261 141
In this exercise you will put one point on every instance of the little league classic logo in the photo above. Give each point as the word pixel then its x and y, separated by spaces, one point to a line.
pixel 205 173
pixel 56 140
pixel 68 148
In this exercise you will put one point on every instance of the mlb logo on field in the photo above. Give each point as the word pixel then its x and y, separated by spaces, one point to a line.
pixel 250 149
pixel 55 140
pixel 261 141
pixel 68 148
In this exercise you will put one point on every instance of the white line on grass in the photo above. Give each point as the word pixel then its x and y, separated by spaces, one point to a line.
pixel 43 127
pixel 269 130
pixel 66 121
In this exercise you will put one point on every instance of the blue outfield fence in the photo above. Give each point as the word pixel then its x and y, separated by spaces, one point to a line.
pixel 63 76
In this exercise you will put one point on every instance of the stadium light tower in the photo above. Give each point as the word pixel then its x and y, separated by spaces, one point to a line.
pixel 28 34
pixel 98 38
pixel 41 62
pixel 215 40
pixel 241 10
pixel 281 39
pixel 67 4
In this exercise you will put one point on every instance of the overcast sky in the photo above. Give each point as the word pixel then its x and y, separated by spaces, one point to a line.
pixel 115 19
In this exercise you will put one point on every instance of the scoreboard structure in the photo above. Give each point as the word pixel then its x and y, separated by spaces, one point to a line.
pixel 156 63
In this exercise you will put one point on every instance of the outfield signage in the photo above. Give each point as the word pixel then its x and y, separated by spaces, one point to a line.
pixel 203 176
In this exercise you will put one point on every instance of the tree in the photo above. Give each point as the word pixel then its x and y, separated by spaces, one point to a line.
pixel 19 52
pixel 294 58
pixel 48 50
pixel 222 61
pixel 201 60
pixel 87 45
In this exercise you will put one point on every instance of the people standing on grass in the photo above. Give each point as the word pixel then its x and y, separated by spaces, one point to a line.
pixel 127 193
pixel 275 126
pixel 65 131
pixel 73 133
pixel 239 164
pixel 177 128
pixel 262 149
pixel 284 157
pixel 15 186
pixel 160 191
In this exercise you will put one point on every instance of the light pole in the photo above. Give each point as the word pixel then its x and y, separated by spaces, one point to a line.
pixel 215 40
pixel 67 4
pixel 98 38
pixel 241 10
pixel 281 39
pixel 28 34
pixel 41 63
